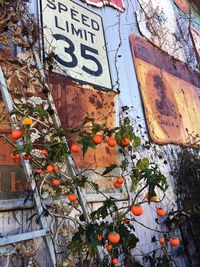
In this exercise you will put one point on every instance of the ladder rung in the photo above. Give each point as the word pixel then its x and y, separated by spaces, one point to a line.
pixel 22 237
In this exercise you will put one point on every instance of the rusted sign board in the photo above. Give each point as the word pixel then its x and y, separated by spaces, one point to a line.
pixel 118 4
pixel 73 103
pixel 170 93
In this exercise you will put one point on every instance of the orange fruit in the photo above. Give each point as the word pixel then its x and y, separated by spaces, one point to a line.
pixel 137 210
pixel 97 139
pixel 174 241
pixel 152 199
pixel 116 185
pixel 72 197
pixel 75 148
pixel 49 169
pixel 38 171
pixel 161 212
pixel 125 141
pixel 120 180
pixel 162 240
pixel 113 237
pixel 111 142
pixel 16 134
pixel 27 121
pixel 55 182
pixel 109 247
pixel 114 261
pixel 26 157
pixel 44 152
pixel 15 156
pixel 55 168
pixel 99 237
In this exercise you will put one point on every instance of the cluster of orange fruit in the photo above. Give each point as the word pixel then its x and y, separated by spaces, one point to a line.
pixel 97 139
pixel 173 241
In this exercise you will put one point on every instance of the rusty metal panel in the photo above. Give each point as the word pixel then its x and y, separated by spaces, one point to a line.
pixel 171 95
pixel 183 5
pixel 74 102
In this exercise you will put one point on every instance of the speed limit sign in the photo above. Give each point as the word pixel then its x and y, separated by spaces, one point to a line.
pixel 76 36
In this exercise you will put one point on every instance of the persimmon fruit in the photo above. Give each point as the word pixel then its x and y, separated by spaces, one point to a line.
pixel 161 212
pixel 49 169
pixel 125 142
pixel 162 240
pixel 75 148
pixel 27 121
pixel 97 139
pixel 117 185
pixel 120 180
pixel 152 199
pixel 55 182
pixel 113 237
pixel 17 134
pixel 26 157
pixel 111 142
pixel 109 247
pixel 44 152
pixel 38 171
pixel 114 261
pixel 174 241
pixel 72 197
pixel 137 210
pixel 55 168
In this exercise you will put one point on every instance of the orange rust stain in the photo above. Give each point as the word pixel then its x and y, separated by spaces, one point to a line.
pixel 73 103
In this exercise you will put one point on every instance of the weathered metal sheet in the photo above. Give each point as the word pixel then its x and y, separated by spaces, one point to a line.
pixel 73 103
pixel 196 41
pixel 171 95
pixel 183 5
pixel 76 36
pixel 118 4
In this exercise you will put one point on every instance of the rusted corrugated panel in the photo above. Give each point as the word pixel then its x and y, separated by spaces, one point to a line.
pixel 183 5
pixel 171 95
pixel 73 103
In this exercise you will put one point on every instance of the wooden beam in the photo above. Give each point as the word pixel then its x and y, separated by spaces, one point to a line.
pixel 24 236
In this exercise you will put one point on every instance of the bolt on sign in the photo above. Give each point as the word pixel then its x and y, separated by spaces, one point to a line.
pixel 170 93
pixel 76 36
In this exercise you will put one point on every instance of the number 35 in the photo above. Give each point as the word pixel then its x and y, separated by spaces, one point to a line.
pixel 85 50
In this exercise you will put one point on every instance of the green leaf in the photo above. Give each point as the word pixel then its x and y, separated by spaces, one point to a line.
pixel 134 183
pixel 109 169
pixel 142 164
pixel 42 112
pixel 86 142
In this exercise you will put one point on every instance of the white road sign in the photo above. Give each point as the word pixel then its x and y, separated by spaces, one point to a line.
pixel 77 37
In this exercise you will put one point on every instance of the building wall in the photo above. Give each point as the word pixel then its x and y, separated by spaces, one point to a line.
pixel 118 28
